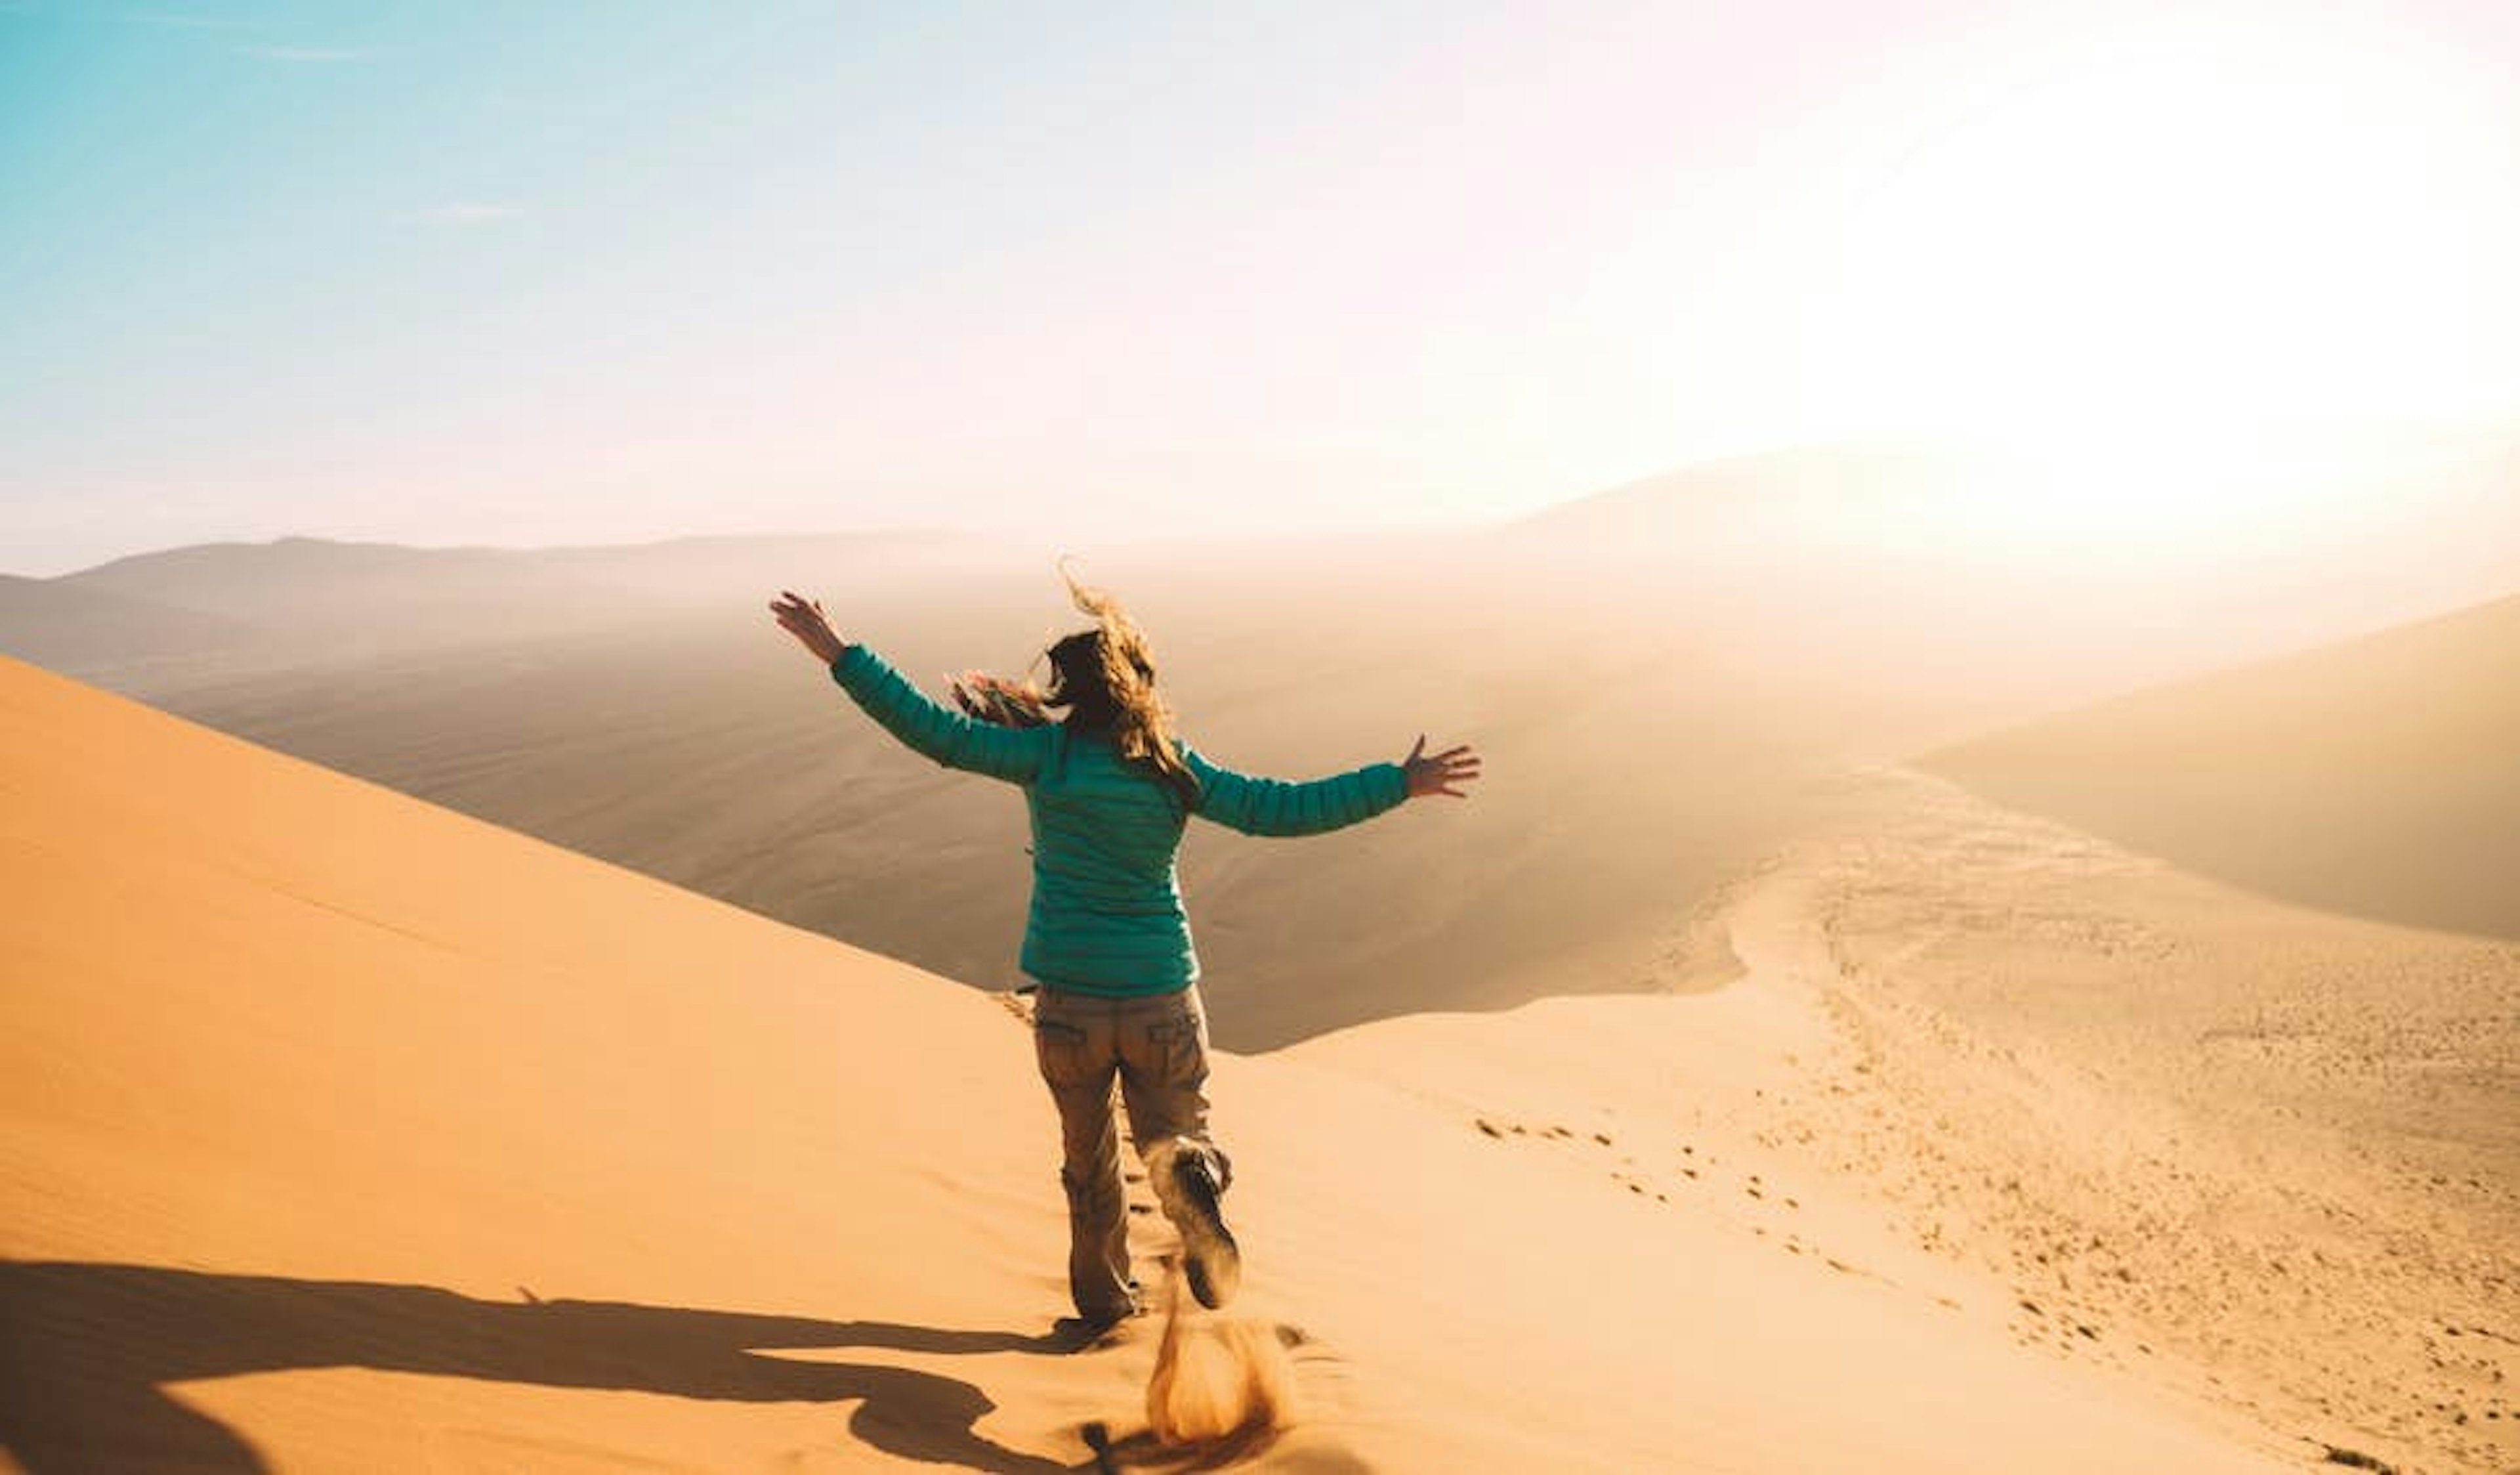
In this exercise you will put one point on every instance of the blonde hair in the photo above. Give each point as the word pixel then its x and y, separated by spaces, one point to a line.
pixel 1105 676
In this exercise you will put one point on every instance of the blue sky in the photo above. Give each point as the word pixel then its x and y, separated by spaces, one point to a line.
pixel 525 273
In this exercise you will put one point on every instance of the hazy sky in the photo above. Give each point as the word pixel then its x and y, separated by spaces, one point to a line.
pixel 515 273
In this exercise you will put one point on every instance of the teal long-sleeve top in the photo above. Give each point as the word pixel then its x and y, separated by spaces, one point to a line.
pixel 1107 912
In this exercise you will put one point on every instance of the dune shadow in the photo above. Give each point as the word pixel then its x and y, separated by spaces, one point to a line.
pixel 88 1350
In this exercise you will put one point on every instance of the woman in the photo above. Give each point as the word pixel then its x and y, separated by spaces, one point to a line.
pixel 1110 788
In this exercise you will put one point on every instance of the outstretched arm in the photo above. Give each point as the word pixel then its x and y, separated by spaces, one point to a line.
pixel 923 725
pixel 1279 806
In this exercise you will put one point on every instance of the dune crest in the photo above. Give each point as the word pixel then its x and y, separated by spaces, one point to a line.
pixel 2379 777
pixel 339 1132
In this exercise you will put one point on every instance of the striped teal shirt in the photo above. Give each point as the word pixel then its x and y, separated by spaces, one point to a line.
pixel 1106 910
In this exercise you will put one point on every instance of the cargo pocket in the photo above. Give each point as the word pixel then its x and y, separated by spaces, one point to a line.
pixel 1180 1043
pixel 1060 1048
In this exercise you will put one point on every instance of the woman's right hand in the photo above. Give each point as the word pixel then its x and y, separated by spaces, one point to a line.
pixel 1437 774
pixel 803 618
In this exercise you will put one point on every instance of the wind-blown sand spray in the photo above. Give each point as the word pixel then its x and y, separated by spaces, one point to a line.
pixel 1222 1386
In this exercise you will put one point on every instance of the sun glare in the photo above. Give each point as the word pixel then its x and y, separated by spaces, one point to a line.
pixel 2133 254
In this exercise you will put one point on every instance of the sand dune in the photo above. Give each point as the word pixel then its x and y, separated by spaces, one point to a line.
pixel 2379 777
pixel 69 628
pixel 358 598
pixel 1930 592
pixel 2262 1153
pixel 304 576
pixel 1631 769
pixel 305 603
pixel 1658 676
pixel 702 749
pixel 344 1132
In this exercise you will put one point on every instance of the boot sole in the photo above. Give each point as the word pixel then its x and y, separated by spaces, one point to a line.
pixel 1210 1259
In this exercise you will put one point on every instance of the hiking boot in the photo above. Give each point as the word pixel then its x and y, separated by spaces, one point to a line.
pixel 1080 1332
pixel 1184 1184
pixel 1094 1321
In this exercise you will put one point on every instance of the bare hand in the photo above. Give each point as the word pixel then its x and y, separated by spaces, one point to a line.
pixel 803 618
pixel 1438 774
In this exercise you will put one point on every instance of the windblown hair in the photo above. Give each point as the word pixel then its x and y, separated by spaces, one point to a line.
pixel 1105 678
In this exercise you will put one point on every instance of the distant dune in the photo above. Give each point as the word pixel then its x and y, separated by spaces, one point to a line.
pixel 299 575
pixel 706 750
pixel 71 627
pixel 300 603
pixel 1933 592
pixel 2379 777
pixel 351 593
pixel 1810 495
pixel 339 1132
pixel 1658 674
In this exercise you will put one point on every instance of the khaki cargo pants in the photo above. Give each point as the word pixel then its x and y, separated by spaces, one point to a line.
pixel 1156 1048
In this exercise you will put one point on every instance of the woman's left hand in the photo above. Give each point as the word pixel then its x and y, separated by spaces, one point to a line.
pixel 1442 773
pixel 803 618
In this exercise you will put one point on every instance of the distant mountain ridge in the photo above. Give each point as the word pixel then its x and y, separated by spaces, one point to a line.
pixel 67 626
pixel 1775 489
pixel 295 600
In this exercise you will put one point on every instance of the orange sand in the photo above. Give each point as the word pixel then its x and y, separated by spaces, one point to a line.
pixel 340 1133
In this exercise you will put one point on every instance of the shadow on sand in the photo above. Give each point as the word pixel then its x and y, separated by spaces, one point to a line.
pixel 86 1351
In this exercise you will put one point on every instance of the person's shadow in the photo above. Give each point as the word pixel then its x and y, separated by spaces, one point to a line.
pixel 87 1350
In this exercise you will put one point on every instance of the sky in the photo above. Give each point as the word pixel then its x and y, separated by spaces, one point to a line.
pixel 525 273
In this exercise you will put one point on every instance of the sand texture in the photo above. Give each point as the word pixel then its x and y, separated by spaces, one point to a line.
pixel 2251 1155
pixel 344 1132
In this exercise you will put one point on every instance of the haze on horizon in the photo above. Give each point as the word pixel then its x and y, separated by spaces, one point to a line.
pixel 463 274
